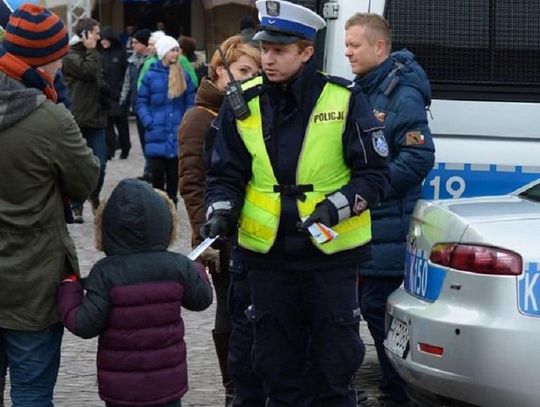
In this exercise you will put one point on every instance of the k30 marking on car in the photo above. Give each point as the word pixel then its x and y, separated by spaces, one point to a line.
pixel 422 279
pixel 529 290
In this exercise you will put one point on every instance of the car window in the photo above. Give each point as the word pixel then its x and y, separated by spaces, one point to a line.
pixel 472 49
pixel 532 193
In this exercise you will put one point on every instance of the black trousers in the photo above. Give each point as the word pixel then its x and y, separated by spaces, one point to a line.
pixel 165 175
pixel 120 123
pixel 373 293
pixel 248 386
pixel 306 320
pixel 147 161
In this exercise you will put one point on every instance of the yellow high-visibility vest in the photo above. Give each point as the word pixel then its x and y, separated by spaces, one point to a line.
pixel 321 164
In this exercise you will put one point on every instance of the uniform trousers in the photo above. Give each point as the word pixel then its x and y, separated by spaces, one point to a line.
pixel 306 319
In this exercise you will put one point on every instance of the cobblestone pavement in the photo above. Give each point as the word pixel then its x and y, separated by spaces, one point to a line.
pixel 77 387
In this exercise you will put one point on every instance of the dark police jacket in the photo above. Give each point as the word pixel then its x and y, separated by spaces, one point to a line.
pixel 399 92
pixel 286 110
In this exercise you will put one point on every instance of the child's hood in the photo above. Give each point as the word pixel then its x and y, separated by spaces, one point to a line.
pixel 135 219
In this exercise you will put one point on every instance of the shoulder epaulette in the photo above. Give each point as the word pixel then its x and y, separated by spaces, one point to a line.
pixel 254 89
pixel 253 92
pixel 338 80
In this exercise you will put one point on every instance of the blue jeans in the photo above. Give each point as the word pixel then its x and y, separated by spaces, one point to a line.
pixel 96 140
pixel 33 359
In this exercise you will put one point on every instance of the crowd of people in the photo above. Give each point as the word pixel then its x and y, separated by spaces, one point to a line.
pixel 294 149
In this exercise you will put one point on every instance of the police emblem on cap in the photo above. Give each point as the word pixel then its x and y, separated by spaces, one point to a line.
pixel 272 8
pixel 379 143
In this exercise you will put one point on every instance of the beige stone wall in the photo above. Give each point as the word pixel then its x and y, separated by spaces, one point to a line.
pixel 223 21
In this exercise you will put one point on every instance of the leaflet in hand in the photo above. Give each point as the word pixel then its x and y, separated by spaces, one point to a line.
pixel 205 244
pixel 321 233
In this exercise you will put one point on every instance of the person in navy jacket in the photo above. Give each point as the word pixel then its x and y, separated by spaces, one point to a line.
pixel 165 94
pixel 400 93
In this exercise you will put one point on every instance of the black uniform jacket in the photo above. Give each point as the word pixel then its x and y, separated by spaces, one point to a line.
pixel 286 110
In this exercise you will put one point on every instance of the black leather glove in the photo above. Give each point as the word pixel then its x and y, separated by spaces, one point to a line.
pixel 325 213
pixel 219 224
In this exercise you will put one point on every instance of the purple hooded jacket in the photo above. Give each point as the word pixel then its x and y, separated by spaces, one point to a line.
pixel 133 300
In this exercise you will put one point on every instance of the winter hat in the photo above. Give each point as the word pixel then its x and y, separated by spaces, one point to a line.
pixel 164 45
pixel 156 35
pixel 142 35
pixel 35 35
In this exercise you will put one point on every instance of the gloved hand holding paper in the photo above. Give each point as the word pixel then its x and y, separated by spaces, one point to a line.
pixel 321 233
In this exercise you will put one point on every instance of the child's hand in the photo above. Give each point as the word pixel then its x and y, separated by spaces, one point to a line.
pixel 210 258
pixel 70 278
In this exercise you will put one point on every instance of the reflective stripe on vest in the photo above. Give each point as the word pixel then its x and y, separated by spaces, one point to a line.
pixel 321 163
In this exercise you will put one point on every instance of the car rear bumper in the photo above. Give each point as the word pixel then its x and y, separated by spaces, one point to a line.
pixel 486 362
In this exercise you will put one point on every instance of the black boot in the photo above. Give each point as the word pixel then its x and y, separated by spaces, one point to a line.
pixel 221 342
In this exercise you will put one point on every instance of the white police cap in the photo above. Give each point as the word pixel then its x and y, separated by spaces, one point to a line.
pixel 283 22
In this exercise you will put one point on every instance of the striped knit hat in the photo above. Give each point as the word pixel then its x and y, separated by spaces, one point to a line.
pixel 35 35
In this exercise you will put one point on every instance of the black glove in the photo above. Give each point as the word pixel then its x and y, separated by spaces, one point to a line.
pixel 219 224
pixel 325 213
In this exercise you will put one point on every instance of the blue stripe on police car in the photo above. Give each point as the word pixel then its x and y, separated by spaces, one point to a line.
pixel 461 180
pixel 422 279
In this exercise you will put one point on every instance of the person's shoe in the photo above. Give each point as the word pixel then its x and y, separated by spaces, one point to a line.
pixel 77 215
pixel 95 204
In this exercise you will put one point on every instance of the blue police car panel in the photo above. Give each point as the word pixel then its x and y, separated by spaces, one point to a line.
pixel 465 324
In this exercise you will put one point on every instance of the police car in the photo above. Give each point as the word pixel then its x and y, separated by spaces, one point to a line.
pixel 481 59
pixel 465 324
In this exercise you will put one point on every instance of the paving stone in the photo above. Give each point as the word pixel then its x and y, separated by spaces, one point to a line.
pixel 77 385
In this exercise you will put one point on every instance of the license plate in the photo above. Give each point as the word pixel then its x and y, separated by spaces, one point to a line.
pixel 397 339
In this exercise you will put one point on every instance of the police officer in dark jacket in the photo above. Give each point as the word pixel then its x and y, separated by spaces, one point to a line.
pixel 309 153
pixel 399 92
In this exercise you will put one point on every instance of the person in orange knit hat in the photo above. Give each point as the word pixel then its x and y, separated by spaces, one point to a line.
pixel 43 157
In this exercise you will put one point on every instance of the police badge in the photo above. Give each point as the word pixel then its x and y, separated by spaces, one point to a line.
pixel 272 8
pixel 379 143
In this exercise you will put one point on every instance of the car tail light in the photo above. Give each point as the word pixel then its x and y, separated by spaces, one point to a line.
pixel 477 259
pixel 431 349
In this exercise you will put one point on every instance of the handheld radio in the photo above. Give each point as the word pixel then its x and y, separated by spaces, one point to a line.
pixel 234 93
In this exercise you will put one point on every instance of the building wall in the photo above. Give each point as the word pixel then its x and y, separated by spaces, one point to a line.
pixel 209 26
pixel 223 21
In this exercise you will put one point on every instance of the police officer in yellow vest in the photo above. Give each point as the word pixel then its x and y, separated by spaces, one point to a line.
pixel 310 151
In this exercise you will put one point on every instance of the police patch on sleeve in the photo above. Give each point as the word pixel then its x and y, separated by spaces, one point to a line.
pixel 414 138
pixel 360 204
pixel 379 143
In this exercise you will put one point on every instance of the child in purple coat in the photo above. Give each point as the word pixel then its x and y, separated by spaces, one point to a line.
pixel 133 299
